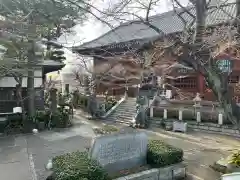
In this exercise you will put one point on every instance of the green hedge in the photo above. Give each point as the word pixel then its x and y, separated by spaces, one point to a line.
pixel 161 154
pixel 77 166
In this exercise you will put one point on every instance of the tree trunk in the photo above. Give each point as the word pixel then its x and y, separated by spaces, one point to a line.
pixel 53 100
pixel 238 15
pixel 224 96
pixel 30 81
pixel 20 101
pixel 217 82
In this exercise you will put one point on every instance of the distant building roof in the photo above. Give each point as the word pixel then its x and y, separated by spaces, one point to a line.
pixel 50 62
pixel 168 22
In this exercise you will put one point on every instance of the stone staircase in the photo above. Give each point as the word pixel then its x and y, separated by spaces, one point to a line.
pixel 124 113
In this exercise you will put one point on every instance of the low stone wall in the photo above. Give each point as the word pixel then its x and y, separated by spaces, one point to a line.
pixel 216 128
pixel 207 127
pixel 176 171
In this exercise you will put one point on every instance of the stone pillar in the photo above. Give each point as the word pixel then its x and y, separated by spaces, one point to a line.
pixel 151 112
pixel 66 89
pixel 180 112
pixel 198 117
pixel 164 114
pixel 220 119
pixel 53 100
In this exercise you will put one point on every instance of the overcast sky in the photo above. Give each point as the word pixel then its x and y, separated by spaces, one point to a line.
pixel 93 28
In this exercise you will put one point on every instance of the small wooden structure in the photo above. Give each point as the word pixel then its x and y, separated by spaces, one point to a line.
pixel 8 99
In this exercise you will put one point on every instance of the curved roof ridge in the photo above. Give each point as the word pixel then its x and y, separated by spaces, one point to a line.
pixel 160 15
pixel 167 22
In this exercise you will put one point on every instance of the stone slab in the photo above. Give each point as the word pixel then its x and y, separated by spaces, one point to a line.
pixel 179 126
pixel 176 171
pixel 116 152
pixel 16 171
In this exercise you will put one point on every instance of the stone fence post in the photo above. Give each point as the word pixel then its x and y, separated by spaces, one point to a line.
pixel 220 118
pixel 198 117
pixel 151 112
pixel 165 114
pixel 180 115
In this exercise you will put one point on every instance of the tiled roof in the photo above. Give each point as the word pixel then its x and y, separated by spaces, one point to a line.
pixel 168 22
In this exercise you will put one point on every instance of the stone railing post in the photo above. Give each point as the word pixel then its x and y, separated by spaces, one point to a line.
pixel 165 114
pixel 180 115
pixel 151 112
pixel 198 117
pixel 220 118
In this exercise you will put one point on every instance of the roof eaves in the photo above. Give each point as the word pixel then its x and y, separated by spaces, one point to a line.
pixel 162 15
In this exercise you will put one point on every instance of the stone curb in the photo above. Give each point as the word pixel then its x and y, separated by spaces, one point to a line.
pixel 175 171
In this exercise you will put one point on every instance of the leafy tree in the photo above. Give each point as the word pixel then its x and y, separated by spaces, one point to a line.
pixel 24 25
pixel 192 47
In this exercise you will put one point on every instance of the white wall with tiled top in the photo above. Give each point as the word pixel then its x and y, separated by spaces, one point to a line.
pixel 10 81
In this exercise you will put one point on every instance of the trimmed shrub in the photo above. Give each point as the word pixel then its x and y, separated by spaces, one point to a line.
pixel 160 154
pixel 77 166
pixel 42 116
pixel 235 159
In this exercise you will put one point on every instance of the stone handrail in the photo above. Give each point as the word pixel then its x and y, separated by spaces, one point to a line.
pixel 114 107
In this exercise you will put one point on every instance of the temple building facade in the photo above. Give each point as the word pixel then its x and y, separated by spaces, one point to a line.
pixel 132 39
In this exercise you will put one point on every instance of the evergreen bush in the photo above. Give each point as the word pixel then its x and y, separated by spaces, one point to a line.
pixel 160 154
pixel 76 166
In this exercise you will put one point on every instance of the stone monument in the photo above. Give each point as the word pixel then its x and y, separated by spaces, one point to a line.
pixel 120 151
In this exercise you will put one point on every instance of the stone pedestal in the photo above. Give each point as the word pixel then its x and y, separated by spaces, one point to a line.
pixel 180 126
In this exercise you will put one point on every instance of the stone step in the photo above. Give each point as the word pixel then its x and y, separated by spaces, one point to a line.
pixel 120 122
pixel 127 107
pixel 120 117
pixel 115 118
pixel 129 104
pixel 124 112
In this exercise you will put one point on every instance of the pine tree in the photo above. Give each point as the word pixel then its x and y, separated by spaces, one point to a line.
pixel 24 24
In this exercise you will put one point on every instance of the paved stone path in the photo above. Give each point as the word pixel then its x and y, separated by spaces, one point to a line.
pixel 200 149
pixel 24 157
